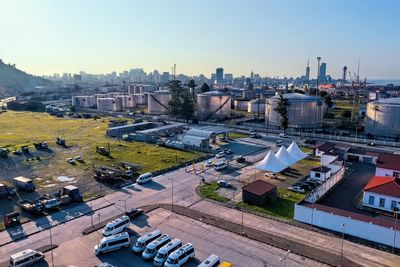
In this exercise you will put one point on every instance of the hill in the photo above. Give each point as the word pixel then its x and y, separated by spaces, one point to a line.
pixel 14 79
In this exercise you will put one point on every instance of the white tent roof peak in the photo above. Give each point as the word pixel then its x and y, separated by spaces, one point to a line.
pixel 296 152
pixel 271 163
pixel 283 156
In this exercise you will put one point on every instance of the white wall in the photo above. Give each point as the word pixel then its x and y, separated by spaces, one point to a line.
pixel 388 201
pixel 323 176
pixel 361 229
pixel 326 159
pixel 383 172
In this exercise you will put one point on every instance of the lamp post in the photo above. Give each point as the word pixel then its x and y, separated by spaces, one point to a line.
pixel 125 202
pixel 285 258
pixel 396 212
pixel 242 223
pixel 91 213
pixel 172 194
pixel 51 245
pixel 341 249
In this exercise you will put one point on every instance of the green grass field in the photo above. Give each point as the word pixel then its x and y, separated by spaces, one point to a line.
pixel 283 206
pixel 235 135
pixel 83 135
pixel 209 191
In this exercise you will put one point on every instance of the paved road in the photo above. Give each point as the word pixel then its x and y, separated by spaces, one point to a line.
pixel 161 191
pixel 205 238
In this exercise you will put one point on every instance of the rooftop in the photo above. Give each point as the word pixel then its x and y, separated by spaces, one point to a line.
pixel 389 161
pixel 326 146
pixel 321 169
pixel 384 185
pixel 259 187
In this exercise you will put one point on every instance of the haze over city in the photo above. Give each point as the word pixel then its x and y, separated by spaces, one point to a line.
pixel 273 38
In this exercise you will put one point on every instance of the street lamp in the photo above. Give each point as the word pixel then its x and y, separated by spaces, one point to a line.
pixel 172 194
pixel 285 258
pixel 341 249
pixel 125 202
pixel 51 246
pixel 396 212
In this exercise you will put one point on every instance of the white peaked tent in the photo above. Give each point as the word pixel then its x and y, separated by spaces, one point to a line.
pixel 296 152
pixel 271 163
pixel 283 156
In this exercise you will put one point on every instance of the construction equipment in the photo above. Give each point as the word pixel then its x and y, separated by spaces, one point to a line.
pixel 60 141
pixel 4 152
pixel 25 149
pixel 31 206
pixel 70 194
pixel 41 146
pixel 107 174
pixel 103 150
pixel 127 166
pixel 24 183
pixel 6 191
pixel 11 219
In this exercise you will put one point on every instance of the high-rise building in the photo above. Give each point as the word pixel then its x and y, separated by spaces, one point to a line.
pixel 165 77
pixel 344 75
pixel 322 73
pixel 307 77
pixel 219 75
pixel 228 77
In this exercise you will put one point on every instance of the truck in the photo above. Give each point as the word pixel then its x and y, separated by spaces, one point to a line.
pixel 25 149
pixel 4 152
pixel 41 145
pixel 70 193
pixel 6 191
pixel 24 183
pixel 32 206
pixel 60 141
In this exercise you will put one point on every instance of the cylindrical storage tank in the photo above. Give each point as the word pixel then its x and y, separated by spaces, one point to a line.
pixel 257 105
pixel 304 111
pixel 157 102
pixel 383 118
pixel 83 101
pixel 141 99
pixel 241 104
pixel 213 105
pixel 109 104
pixel 127 101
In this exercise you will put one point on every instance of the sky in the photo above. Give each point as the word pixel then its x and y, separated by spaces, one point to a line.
pixel 272 38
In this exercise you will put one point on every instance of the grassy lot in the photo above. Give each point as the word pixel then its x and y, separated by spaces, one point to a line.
pixel 283 206
pixel 235 135
pixel 208 191
pixel 82 135
pixel 306 150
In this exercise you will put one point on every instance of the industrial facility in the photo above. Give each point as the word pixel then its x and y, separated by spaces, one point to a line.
pixel 383 118
pixel 213 105
pixel 158 102
pixel 304 111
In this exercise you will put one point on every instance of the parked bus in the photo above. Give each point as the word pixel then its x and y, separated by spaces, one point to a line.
pixel 164 252
pixel 211 261
pixel 113 242
pixel 144 240
pixel 180 256
pixel 117 226
pixel 154 246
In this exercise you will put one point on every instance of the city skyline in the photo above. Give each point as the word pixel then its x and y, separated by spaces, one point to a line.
pixel 272 38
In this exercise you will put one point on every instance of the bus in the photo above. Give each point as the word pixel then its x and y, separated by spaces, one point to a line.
pixel 164 252
pixel 180 256
pixel 144 240
pixel 154 246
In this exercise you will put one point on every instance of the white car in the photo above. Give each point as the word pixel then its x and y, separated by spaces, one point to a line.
pixel 70 160
pixel 220 155
pixel 224 183
pixel 296 189
pixel 282 135
pixel 209 163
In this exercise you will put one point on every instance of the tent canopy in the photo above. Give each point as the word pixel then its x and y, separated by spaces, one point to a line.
pixel 296 152
pixel 271 163
pixel 283 156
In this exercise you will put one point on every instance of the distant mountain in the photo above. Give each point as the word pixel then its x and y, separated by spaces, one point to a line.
pixel 14 79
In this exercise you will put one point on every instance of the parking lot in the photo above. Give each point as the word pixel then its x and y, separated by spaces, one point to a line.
pixel 205 238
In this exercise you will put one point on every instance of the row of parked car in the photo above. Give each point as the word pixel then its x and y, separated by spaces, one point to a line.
pixel 307 185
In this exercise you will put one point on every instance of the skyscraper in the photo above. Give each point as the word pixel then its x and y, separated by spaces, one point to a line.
pixel 307 77
pixel 344 75
pixel 322 73
pixel 219 75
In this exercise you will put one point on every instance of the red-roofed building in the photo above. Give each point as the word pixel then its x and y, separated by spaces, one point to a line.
pixel 388 165
pixel 382 192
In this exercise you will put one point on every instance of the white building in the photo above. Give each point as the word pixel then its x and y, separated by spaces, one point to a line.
pixel 388 165
pixel 383 193
pixel 320 173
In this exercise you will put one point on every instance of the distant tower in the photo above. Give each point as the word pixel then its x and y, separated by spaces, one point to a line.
pixel 219 75
pixel 308 71
pixel 322 73
pixel 344 74
pixel 251 76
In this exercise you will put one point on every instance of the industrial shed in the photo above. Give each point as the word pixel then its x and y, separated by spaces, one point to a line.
pixel 259 193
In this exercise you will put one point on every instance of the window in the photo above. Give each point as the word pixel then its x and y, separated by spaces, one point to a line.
pixel 393 205
pixel 371 200
pixel 396 174
pixel 317 174
pixel 382 202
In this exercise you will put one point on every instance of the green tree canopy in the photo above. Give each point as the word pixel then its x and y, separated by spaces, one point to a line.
pixel 282 109
pixel 181 104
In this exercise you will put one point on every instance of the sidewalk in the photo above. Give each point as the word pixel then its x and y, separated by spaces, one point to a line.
pixel 24 230
pixel 365 256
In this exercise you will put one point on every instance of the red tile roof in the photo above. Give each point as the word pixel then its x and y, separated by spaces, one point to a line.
pixel 389 161
pixel 384 185
pixel 259 187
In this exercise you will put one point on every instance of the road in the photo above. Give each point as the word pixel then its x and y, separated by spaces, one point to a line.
pixel 177 187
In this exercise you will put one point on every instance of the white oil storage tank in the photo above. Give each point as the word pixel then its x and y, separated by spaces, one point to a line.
pixel 157 102
pixel 127 101
pixel 304 111
pixel 109 104
pixel 241 104
pixel 84 101
pixel 257 106
pixel 213 105
pixel 383 118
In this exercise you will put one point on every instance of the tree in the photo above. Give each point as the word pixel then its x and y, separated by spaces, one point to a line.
pixel 328 101
pixel 205 88
pixel 345 113
pixel 181 104
pixel 282 109
pixel 192 84
pixel 323 93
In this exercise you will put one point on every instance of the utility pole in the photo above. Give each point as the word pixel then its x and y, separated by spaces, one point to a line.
pixel 316 93
pixel 51 245
pixel 341 249
pixel 91 213
pixel 396 212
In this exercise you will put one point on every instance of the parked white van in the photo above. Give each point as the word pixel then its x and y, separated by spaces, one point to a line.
pixel 212 261
pixel 154 246
pixel 220 165
pixel 164 252
pixel 26 258
pixel 144 178
pixel 180 256
pixel 113 242
pixel 117 226
pixel 144 240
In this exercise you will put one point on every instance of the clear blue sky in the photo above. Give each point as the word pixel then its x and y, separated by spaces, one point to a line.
pixel 273 38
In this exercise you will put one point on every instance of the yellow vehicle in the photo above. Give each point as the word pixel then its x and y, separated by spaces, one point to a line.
pixel 226 264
